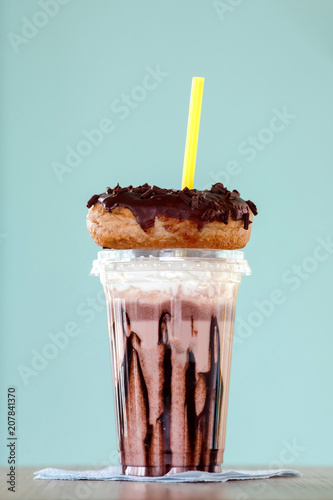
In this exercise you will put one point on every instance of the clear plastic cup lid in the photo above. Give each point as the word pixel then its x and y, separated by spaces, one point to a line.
pixel 177 258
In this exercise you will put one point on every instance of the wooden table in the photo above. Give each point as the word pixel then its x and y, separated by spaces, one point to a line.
pixel 315 484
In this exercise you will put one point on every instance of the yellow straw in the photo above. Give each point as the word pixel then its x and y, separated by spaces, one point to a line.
pixel 192 132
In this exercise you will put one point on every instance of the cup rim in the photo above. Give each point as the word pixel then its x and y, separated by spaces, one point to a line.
pixel 170 253
pixel 227 261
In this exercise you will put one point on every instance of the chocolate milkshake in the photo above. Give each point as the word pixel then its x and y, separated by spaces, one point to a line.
pixel 171 316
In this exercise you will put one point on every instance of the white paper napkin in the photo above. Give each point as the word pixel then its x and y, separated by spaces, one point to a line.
pixel 113 473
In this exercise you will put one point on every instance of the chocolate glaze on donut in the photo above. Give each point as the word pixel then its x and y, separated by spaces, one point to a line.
pixel 147 202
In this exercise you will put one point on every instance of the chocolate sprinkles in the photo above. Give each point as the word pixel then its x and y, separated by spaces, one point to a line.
pixel 201 207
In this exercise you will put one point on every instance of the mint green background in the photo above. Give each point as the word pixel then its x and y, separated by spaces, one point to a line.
pixel 263 55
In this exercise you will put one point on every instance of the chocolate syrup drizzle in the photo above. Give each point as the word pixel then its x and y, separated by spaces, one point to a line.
pixel 165 418
pixel 123 384
pixel 198 428
pixel 147 202
pixel 214 385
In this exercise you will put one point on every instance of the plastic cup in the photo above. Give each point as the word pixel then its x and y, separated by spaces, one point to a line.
pixel 171 318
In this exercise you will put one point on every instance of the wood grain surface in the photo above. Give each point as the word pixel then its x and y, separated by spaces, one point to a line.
pixel 315 484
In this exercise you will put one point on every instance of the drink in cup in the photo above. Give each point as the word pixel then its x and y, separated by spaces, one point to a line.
pixel 171 318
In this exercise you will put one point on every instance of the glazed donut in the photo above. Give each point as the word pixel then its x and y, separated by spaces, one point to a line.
pixel 148 217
